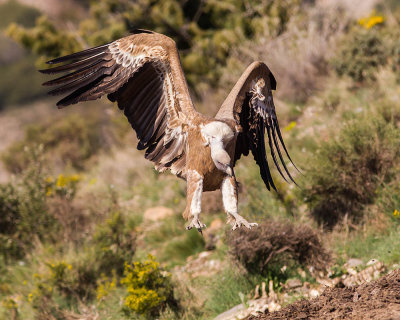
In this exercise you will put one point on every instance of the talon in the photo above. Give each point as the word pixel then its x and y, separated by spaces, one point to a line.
pixel 196 223
pixel 239 221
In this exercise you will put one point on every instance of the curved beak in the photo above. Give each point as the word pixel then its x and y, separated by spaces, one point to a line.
pixel 229 171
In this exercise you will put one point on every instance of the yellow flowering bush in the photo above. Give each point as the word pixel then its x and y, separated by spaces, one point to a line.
pixel 58 271
pixel 42 291
pixel 105 286
pixel 58 280
pixel 114 241
pixel 63 186
pixel 149 288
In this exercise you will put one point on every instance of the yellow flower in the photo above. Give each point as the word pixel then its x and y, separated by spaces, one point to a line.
pixel 61 181
pixel 372 20
pixel 396 213
pixel 290 126
pixel 49 192
pixel 75 177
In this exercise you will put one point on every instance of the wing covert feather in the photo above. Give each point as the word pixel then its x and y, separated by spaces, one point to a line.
pixel 143 74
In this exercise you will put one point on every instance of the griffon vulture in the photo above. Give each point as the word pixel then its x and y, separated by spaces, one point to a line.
pixel 143 74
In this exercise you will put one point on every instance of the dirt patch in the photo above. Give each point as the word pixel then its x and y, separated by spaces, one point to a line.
pixel 375 300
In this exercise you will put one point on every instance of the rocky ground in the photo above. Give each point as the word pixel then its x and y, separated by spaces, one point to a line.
pixel 340 297
pixel 379 299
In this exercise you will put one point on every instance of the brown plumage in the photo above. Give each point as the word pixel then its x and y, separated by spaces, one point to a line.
pixel 143 74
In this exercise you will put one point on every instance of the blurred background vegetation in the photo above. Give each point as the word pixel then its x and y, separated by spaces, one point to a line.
pixel 88 228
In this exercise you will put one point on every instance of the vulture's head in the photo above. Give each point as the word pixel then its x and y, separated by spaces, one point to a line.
pixel 217 135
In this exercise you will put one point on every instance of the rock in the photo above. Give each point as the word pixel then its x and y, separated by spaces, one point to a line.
pixel 368 274
pixel 302 273
pixel 314 293
pixel 273 306
pixel 352 263
pixel 371 262
pixel 293 283
pixel 231 314
pixel 157 213
pixel 201 265
pixel 203 255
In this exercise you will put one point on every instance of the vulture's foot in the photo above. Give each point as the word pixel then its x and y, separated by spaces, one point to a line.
pixel 238 221
pixel 196 223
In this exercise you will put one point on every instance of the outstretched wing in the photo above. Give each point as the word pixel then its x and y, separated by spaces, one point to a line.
pixel 142 72
pixel 251 107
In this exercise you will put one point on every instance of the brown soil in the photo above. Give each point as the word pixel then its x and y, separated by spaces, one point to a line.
pixel 375 300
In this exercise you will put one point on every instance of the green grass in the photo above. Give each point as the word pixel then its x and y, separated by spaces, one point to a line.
pixel 223 291
pixel 384 247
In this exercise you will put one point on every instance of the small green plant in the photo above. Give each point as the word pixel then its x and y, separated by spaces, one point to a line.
pixel 149 288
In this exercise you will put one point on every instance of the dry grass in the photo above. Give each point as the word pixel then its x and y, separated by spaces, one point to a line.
pixel 272 245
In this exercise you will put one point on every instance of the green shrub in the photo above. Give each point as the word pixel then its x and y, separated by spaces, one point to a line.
pixel 360 54
pixel 114 241
pixel 60 286
pixel 149 288
pixel 24 213
pixel 69 141
pixel 347 170
pixel 268 248
pixel 366 48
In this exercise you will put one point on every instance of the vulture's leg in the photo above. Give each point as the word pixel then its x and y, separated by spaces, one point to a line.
pixel 230 200
pixel 193 197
